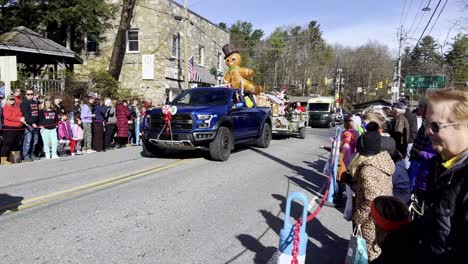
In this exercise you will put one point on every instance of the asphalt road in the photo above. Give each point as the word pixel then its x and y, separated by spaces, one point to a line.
pixel 117 207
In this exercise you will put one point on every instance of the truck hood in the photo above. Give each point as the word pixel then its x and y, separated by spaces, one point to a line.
pixel 199 109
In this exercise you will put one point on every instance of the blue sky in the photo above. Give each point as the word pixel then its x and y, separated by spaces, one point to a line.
pixel 348 22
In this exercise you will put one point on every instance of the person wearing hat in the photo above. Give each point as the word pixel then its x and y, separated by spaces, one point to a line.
pixel 13 121
pixel 412 131
pixel 393 231
pixel 400 128
pixel 370 173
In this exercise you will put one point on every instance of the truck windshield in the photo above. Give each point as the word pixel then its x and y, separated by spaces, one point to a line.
pixel 319 107
pixel 202 97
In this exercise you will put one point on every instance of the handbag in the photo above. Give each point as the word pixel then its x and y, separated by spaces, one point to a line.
pixel 357 248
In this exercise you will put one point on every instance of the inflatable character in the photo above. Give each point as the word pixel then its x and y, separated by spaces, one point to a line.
pixel 238 76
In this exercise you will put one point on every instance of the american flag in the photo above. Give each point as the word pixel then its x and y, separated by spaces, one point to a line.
pixel 194 77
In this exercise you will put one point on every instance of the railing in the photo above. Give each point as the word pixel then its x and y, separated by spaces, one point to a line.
pixel 47 87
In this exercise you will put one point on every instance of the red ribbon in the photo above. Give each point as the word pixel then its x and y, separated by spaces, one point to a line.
pixel 167 119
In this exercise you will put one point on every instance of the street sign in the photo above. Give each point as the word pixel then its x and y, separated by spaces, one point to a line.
pixel 424 82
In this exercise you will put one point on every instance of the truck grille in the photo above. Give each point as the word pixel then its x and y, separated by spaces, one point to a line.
pixel 178 121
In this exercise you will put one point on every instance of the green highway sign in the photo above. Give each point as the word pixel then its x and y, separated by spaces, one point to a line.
pixel 424 82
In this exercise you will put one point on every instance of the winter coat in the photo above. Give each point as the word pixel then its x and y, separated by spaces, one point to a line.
pixel 123 115
pixel 86 114
pixel 64 130
pixel 401 182
pixel 444 225
pixel 100 113
pixel 372 178
pixel 427 159
pixel 413 125
pixel 11 116
pixel 77 132
pixel 111 117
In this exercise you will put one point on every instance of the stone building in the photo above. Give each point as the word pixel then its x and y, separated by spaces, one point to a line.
pixel 154 59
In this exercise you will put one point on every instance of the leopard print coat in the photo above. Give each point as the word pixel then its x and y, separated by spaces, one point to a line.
pixel 372 178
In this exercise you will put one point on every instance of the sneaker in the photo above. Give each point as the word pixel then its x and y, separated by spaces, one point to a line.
pixel 27 159
pixel 47 157
pixel 73 154
pixel 90 151
pixel 55 157
pixel 79 153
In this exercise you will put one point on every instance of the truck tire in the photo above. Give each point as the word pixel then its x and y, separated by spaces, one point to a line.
pixel 302 132
pixel 264 140
pixel 221 146
pixel 150 151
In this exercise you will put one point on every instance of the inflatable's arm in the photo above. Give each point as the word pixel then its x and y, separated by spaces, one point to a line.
pixel 246 72
pixel 227 78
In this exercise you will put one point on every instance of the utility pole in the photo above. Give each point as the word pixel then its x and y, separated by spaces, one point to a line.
pixel 400 40
pixel 186 39
pixel 337 92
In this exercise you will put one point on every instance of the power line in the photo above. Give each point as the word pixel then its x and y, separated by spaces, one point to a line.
pixel 402 13
pixel 435 22
pixel 407 12
pixel 416 17
pixel 427 25
pixel 423 13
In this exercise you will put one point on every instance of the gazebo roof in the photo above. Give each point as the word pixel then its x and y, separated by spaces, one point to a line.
pixel 32 48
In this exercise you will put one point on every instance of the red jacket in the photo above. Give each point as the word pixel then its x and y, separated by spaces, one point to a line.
pixel 12 116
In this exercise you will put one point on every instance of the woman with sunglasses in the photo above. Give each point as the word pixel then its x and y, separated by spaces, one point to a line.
pixel 12 134
pixel 444 225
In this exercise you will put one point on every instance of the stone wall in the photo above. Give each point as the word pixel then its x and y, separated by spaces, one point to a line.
pixel 157 23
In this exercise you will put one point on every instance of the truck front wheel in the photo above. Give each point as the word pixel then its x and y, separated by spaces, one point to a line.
pixel 220 148
pixel 149 150
pixel 264 140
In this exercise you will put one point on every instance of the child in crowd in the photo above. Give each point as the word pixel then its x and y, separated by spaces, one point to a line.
pixel 48 118
pixel 65 135
pixel 77 132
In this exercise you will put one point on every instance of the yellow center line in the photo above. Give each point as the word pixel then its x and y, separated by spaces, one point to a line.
pixel 95 185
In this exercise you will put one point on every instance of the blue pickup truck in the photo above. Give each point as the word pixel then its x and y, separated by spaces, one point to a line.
pixel 213 119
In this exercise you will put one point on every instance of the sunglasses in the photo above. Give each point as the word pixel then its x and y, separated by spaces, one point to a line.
pixel 436 127
pixel 29 94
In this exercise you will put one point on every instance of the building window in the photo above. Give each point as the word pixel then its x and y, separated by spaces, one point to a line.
pixel 176 46
pixel 132 41
pixel 201 54
pixel 91 43
pixel 220 61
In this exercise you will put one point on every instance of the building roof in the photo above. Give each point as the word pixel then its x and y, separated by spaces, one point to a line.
pixel 205 75
pixel 32 48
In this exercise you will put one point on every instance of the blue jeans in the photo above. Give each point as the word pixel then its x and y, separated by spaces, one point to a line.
pixel 30 141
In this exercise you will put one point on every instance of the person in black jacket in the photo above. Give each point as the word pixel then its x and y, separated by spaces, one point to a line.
pixel 393 231
pixel 30 109
pixel 413 130
pixel 445 221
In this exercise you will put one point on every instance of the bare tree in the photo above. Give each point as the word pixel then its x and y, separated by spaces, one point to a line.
pixel 118 52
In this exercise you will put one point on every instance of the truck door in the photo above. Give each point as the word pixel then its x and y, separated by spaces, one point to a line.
pixel 253 119
pixel 238 116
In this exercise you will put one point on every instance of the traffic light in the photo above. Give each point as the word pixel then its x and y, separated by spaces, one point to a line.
pixel 387 82
pixel 380 85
